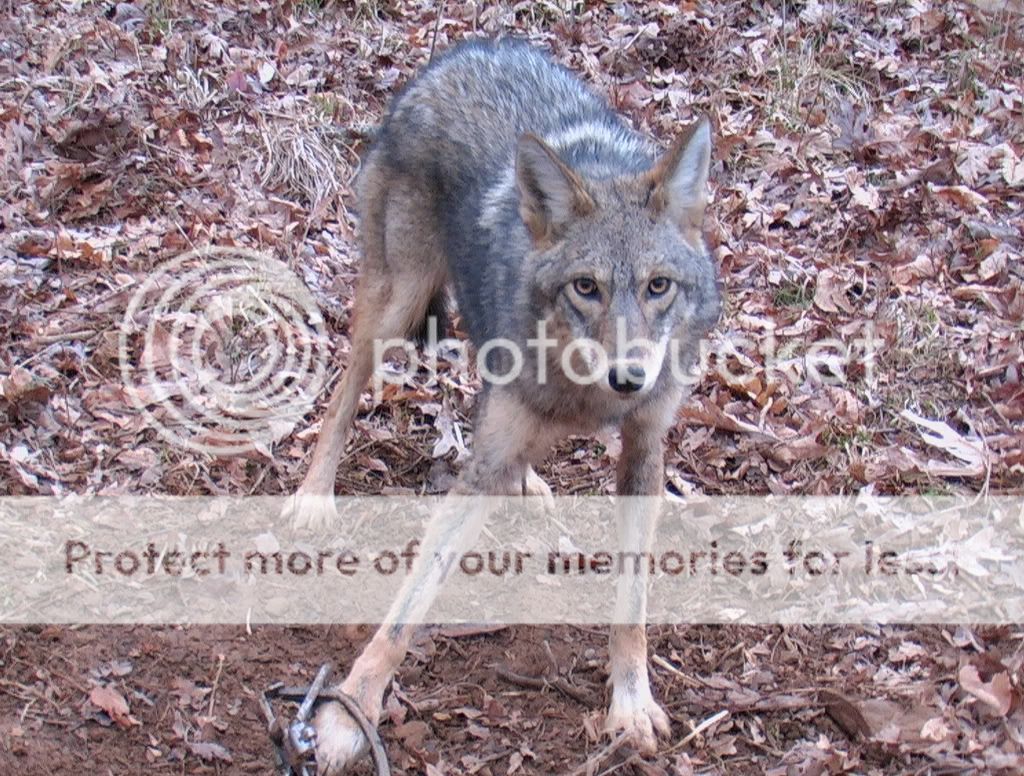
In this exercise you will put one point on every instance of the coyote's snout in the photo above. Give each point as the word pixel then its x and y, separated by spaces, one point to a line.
pixel 574 251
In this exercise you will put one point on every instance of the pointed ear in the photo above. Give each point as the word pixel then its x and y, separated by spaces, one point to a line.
pixel 551 194
pixel 679 180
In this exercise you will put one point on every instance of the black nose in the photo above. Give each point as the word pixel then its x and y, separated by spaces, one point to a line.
pixel 626 380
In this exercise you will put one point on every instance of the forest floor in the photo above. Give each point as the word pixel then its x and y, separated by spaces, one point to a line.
pixel 867 185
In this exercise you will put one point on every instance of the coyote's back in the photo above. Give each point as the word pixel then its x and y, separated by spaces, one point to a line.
pixel 459 120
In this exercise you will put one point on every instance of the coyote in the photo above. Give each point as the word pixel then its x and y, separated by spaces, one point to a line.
pixel 497 173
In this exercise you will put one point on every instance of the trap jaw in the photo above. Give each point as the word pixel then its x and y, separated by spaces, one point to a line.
pixel 295 743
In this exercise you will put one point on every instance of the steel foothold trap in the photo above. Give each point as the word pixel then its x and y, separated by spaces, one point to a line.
pixel 295 743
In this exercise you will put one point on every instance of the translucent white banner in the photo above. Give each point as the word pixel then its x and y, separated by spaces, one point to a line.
pixel 712 560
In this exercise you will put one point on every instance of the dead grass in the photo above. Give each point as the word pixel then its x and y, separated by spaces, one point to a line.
pixel 921 365
pixel 807 81
pixel 300 158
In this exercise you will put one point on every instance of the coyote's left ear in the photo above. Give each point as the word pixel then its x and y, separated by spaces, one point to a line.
pixel 679 179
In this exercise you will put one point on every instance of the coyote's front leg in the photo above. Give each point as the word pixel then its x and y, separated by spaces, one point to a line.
pixel 452 530
pixel 640 485
pixel 501 457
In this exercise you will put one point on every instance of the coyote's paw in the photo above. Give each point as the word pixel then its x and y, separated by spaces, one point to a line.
pixel 535 486
pixel 339 741
pixel 638 715
pixel 309 510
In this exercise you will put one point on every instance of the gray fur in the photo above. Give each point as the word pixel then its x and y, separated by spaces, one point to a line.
pixel 454 132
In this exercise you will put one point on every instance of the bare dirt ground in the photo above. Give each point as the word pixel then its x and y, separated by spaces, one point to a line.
pixel 867 181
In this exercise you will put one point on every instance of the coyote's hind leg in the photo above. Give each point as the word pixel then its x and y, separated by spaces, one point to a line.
pixel 403 271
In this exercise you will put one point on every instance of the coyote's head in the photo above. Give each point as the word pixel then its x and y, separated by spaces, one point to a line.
pixel 619 269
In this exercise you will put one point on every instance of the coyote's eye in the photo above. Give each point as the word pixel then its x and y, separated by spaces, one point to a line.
pixel 586 287
pixel 659 286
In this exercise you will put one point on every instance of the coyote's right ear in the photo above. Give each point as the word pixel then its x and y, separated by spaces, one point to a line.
pixel 679 180
pixel 551 194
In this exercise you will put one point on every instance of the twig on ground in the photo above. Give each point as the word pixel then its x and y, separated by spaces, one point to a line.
pixel 590 766
pixel 538 683
pixel 216 682
pixel 713 719
pixel 437 27
pixel 660 661
pixel 67 336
